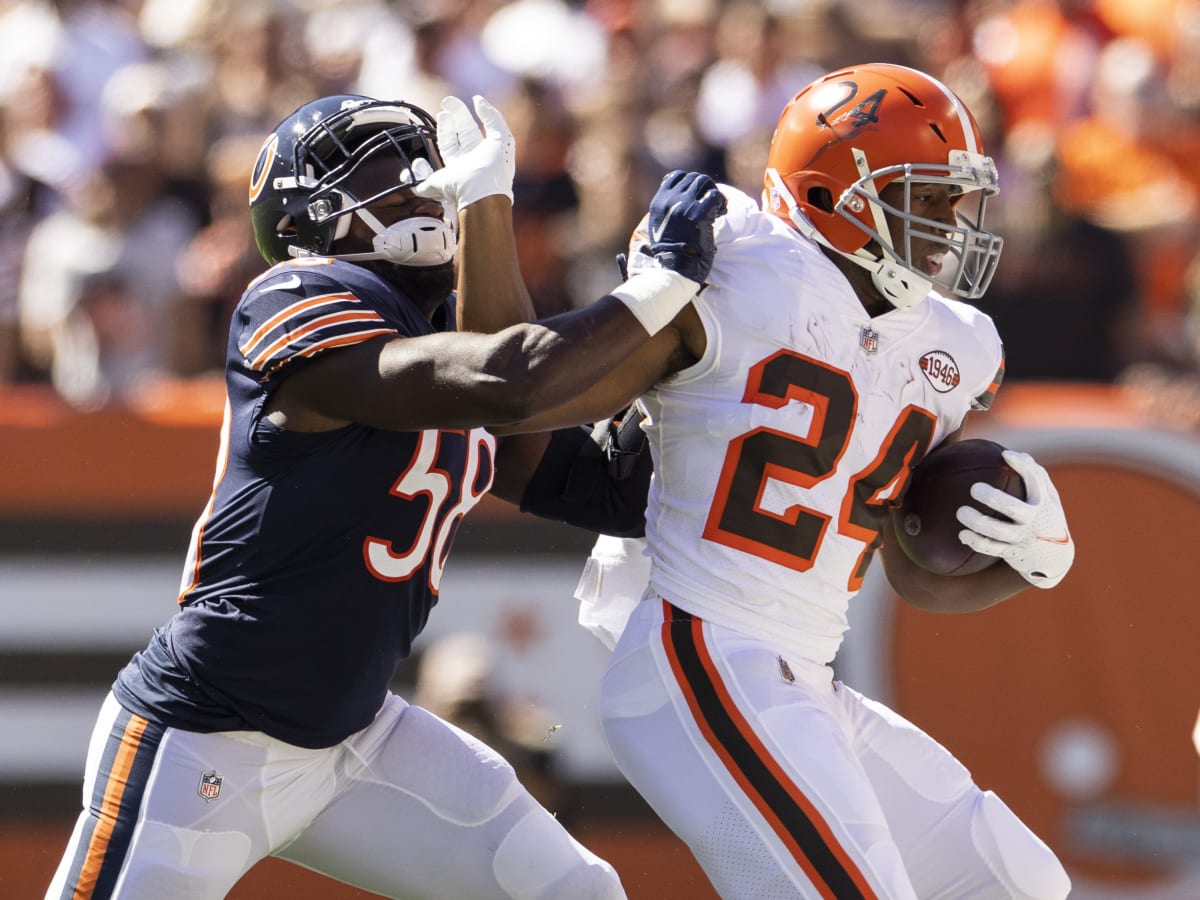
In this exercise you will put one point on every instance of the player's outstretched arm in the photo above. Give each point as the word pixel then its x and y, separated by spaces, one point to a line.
pixel 466 380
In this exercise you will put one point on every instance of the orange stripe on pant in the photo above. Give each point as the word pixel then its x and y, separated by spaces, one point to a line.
pixel 114 791
pixel 778 799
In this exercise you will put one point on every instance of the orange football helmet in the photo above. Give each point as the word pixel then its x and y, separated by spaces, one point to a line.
pixel 849 134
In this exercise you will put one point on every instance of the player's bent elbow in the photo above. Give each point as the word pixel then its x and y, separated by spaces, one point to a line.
pixel 949 593
pixel 957 593
pixel 930 602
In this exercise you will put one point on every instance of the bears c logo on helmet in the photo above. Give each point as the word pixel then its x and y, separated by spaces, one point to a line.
pixel 262 166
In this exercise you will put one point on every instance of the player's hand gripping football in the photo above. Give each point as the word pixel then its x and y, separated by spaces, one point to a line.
pixel 679 228
pixel 477 163
pixel 1036 542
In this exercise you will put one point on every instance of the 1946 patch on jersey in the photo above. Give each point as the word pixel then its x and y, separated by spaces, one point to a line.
pixel 941 370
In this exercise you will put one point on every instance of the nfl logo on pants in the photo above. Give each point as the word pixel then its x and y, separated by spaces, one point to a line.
pixel 210 785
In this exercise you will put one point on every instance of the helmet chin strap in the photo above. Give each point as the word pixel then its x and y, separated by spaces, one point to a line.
pixel 415 241
pixel 899 285
pixel 418 241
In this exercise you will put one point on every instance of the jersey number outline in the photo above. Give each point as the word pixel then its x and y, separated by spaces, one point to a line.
pixel 793 537
pixel 423 476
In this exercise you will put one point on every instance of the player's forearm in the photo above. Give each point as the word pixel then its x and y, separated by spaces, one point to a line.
pixel 461 380
pixel 491 292
pixel 552 363
pixel 950 593
pixel 665 353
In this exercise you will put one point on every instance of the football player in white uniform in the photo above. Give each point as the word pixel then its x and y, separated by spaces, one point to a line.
pixel 833 347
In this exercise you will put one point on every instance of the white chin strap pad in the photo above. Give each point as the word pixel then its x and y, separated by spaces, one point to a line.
pixel 419 241
pixel 900 286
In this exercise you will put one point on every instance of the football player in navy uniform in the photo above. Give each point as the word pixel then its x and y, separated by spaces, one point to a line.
pixel 258 720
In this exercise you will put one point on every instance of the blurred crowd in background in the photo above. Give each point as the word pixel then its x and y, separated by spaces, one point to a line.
pixel 128 128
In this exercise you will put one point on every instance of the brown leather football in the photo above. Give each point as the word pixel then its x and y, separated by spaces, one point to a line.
pixel 925 522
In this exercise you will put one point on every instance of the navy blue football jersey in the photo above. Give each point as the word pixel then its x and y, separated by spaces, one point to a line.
pixel 319 555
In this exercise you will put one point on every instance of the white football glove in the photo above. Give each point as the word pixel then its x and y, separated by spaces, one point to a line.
pixel 478 163
pixel 1036 542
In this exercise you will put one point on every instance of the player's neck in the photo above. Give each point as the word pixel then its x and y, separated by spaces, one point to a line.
pixel 426 286
pixel 861 283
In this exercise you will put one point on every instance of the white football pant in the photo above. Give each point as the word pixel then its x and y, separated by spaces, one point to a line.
pixel 408 807
pixel 785 783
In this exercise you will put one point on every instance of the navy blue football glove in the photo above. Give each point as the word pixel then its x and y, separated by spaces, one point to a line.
pixel 680 226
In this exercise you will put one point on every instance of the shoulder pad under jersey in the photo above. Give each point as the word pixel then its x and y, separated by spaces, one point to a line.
pixel 300 309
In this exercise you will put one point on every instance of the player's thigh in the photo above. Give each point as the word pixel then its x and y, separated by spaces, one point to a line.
pixel 427 810
pixel 955 839
pixel 169 812
pixel 743 757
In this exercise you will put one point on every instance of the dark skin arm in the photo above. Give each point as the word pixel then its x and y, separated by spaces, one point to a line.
pixel 677 346
pixel 459 380
pixel 492 294
pixel 946 593
pixel 467 380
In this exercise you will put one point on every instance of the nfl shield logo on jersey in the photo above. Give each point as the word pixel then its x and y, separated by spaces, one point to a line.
pixel 868 339
pixel 210 785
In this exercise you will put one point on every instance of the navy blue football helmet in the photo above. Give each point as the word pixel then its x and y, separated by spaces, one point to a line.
pixel 301 201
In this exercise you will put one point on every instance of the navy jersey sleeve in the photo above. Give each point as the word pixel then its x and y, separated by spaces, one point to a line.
pixel 298 311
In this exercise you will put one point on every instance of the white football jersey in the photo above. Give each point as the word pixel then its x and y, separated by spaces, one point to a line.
pixel 776 453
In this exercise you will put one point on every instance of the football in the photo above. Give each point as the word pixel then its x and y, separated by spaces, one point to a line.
pixel 925 522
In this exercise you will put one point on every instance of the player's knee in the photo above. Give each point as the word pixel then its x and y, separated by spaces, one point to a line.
pixel 592 879
pixel 1029 868
pixel 539 860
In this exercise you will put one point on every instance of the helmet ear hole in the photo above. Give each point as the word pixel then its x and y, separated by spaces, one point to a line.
pixel 821 198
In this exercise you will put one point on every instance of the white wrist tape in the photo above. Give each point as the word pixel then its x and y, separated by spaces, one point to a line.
pixel 656 296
